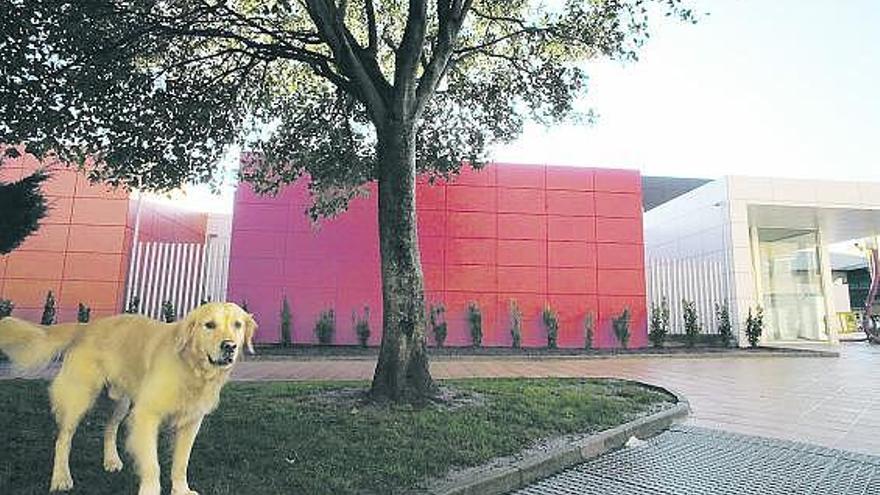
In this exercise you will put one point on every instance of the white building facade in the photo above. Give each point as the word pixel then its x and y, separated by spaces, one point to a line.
pixel 748 242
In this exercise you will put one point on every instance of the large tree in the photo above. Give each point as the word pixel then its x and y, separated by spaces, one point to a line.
pixel 346 91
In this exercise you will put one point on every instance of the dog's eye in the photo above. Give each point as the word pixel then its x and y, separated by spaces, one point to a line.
pixel 237 324
pixel 210 325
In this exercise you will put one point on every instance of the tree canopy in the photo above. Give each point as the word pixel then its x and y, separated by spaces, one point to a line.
pixel 156 90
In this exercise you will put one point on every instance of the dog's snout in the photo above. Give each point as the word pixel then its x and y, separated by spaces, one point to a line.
pixel 227 346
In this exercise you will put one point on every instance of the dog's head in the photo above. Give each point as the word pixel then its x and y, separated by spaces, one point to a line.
pixel 213 334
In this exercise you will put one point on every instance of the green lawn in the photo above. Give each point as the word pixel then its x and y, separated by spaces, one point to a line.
pixel 313 438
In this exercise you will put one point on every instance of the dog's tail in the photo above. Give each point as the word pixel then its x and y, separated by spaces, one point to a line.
pixel 30 346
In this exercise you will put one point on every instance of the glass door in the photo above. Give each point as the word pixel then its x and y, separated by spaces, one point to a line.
pixel 794 304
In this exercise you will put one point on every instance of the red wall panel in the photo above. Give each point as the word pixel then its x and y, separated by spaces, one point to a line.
pixel 619 230
pixel 471 198
pixel 620 256
pixel 532 201
pixel 567 228
pixel 432 249
pixel 618 205
pixel 572 178
pixel 522 226
pixel 522 252
pixel 530 279
pixel 571 254
pixel 471 224
pixel 571 280
pixel 512 176
pixel 626 181
pixel 431 198
pixel 471 251
pixel 567 237
pixel 571 203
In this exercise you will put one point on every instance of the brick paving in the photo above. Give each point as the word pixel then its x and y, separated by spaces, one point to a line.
pixel 697 461
pixel 832 402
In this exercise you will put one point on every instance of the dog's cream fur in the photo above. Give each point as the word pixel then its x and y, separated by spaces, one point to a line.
pixel 172 373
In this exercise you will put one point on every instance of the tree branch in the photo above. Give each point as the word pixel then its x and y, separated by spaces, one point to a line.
pixel 279 34
pixel 371 89
pixel 500 18
pixel 408 54
pixel 490 43
pixel 213 22
pixel 372 29
pixel 450 15
pixel 258 49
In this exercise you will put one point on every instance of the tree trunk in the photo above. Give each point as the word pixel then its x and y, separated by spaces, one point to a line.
pixel 402 371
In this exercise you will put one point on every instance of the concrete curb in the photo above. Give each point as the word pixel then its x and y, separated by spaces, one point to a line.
pixel 498 480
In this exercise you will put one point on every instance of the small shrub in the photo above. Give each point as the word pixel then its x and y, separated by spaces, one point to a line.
pixel 475 322
pixel 659 323
pixel 755 326
pixel 691 323
pixel 361 326
pixel 286 322
pixel 725 333
pixel 437 317
pixel 325 327
pixel 134 306
pixel 515 324
pixel 620 325
pixel 169 314
pixel 589 330
pixel 551 323
pixel 6 307
pixel 83 313
pixel 48 317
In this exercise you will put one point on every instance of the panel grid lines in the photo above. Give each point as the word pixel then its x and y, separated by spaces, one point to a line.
pixel 530 234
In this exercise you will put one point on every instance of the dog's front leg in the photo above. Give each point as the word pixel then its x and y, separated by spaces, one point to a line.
pixel 112 462
pixel 142 443
pixel 186 436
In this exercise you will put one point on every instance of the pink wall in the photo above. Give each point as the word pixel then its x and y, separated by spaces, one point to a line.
pixel 570 237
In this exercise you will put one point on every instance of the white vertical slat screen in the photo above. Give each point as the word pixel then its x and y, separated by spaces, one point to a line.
pixel 183 273
pixel 703 281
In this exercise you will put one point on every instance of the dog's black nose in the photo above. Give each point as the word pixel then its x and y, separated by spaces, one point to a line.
pixel 227 346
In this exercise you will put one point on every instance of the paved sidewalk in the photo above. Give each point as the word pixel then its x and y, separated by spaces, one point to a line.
pixel 696 461
pixel 833 402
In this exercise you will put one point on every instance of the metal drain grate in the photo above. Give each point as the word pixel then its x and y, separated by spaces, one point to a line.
pixel 694 461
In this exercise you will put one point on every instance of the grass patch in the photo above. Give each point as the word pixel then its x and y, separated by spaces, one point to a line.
pixel 316 438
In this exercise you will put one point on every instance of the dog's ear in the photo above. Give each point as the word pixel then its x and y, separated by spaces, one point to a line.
pixel 185 331
pixel 250 328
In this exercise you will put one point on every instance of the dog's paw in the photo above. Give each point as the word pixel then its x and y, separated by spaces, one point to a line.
pixel 185 491
pixel 61 483
pixel 150 489
pixel 113 465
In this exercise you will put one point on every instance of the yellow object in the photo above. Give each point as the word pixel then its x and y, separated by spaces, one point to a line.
pixel 848 322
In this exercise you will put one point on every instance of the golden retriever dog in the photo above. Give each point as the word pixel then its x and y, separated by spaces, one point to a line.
pixel 172 373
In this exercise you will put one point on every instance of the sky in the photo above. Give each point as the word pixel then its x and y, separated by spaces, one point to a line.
pixel 757 87
pixel 783 88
